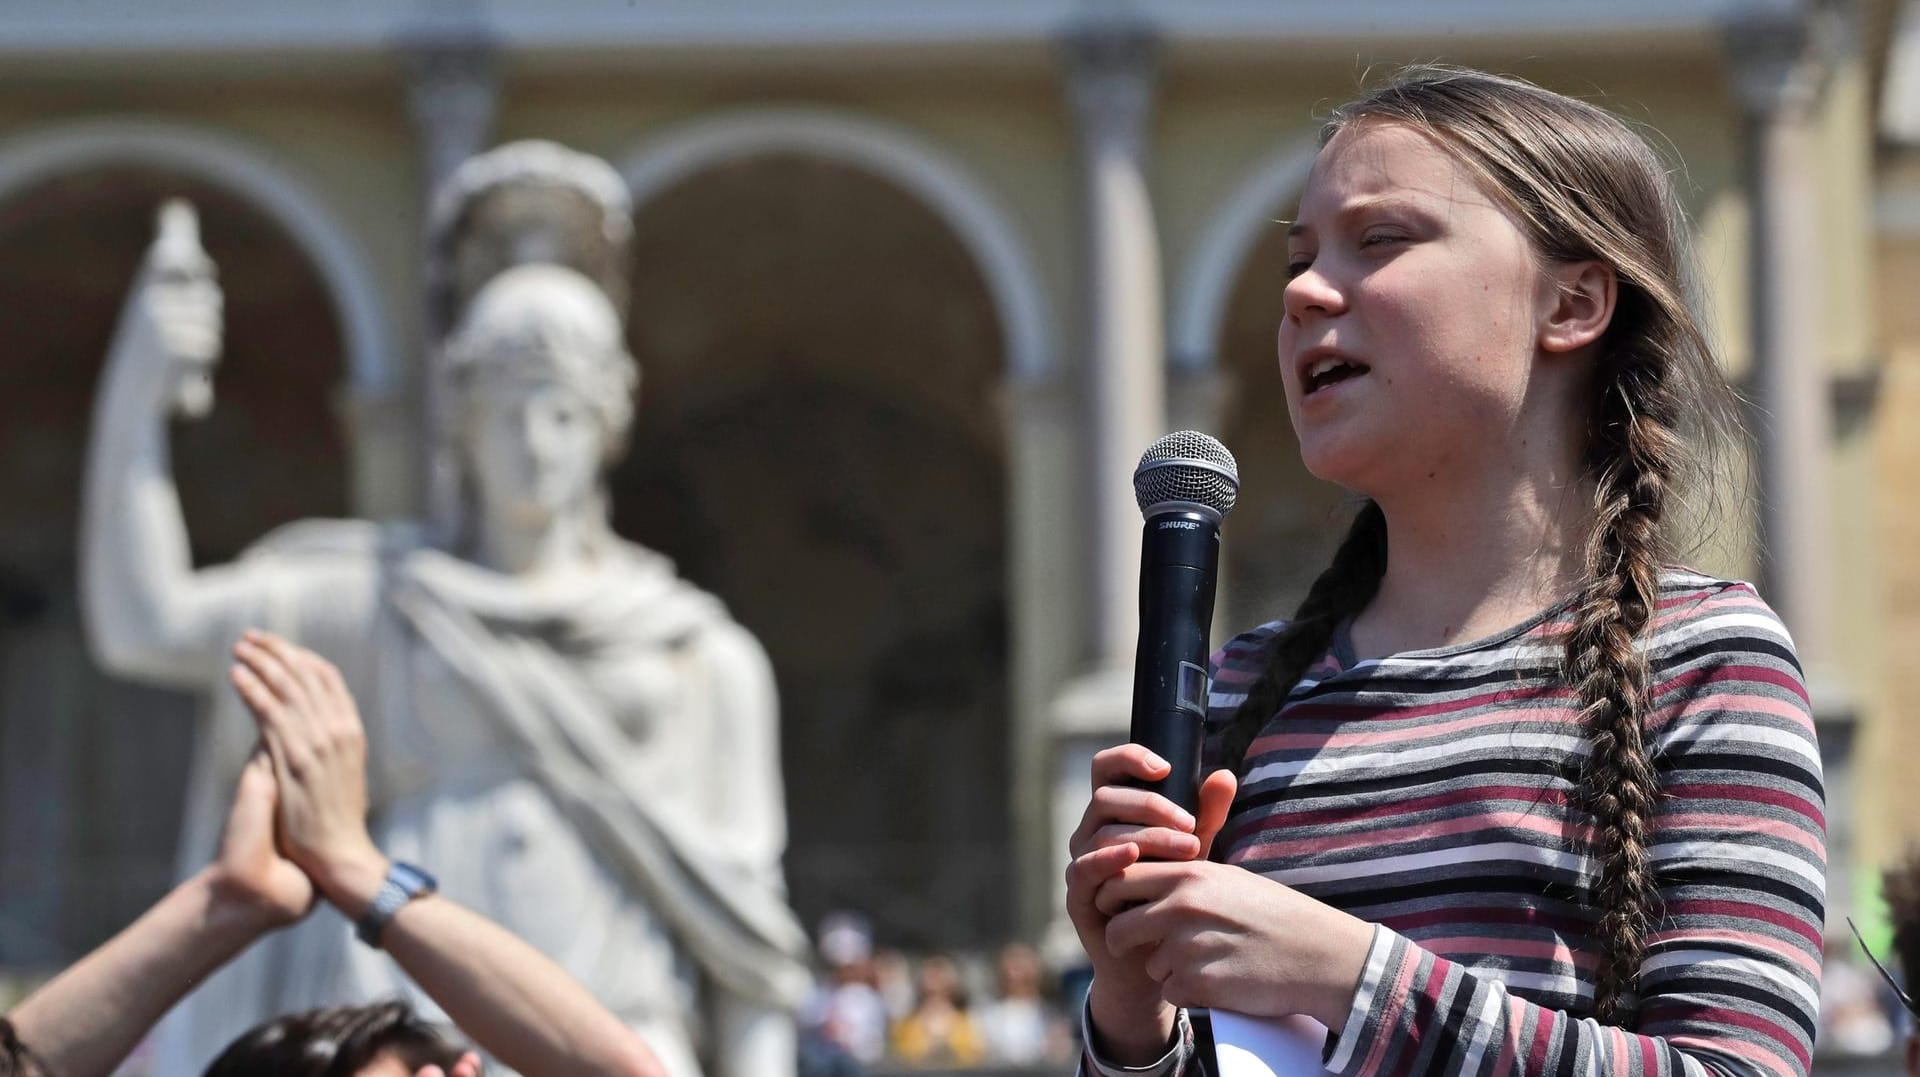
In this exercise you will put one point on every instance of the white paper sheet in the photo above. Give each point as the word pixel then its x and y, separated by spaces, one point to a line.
pixel 1268 1047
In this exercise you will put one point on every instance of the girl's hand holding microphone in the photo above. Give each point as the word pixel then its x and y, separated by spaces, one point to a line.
pixel 1124 824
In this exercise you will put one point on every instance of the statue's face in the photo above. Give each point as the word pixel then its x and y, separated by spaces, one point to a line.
pixel 534 446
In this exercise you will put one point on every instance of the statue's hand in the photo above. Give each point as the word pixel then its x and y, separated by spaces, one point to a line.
pixel 180 301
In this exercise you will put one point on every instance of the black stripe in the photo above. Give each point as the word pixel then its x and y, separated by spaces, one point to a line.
pixel 1760 1000
pixel 1739 763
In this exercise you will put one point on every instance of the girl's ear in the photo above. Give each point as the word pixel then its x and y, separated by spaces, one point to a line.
pixel 1581 306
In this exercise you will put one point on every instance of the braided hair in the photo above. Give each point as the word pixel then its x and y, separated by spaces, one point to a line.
pixel 1583 186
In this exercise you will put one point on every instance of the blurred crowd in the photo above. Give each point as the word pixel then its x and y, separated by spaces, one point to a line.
pixel 879 1007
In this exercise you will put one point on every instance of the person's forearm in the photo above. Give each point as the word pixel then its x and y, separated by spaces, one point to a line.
pixel 86 1020
pixel 510 998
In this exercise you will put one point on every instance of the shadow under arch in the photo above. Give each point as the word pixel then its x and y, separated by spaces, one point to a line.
pixel 91 767
pixel 227 161
pixel 819 443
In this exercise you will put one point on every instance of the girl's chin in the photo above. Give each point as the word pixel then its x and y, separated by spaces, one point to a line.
pixel 1344 461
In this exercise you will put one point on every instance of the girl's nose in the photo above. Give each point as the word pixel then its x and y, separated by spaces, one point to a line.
pixel 1313 292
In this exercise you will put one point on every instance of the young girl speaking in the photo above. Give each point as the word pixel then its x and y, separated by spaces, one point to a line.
pixel 1511 793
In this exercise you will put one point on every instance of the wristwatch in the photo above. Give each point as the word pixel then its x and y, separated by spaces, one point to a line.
pixel 403 883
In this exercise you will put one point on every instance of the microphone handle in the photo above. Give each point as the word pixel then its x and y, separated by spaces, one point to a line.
pixel 1179 564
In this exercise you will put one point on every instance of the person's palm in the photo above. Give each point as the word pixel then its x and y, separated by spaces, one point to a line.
pixel 249 862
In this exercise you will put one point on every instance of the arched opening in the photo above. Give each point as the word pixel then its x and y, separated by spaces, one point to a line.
pixel 819 444
pixel 90 767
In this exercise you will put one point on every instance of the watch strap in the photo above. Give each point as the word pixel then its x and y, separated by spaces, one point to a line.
pixel 404 882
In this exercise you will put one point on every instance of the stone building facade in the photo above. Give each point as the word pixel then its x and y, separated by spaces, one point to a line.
pixel 914 285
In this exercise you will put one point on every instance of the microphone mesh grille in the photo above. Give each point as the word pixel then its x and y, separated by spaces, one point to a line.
pixel 1187 465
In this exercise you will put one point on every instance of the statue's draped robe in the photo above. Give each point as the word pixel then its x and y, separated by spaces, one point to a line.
pixel 593 764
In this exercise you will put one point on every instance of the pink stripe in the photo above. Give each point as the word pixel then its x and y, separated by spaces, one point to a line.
pixel 1379 731
pixel 1508 1043
pixel 1388 1026
pixel 1680 790
pixel 1456 914
pixel 1808 963
pixel 1619 1051
pixel 1721 909
pixel 1547 826
pixel 1534 797
pixel 1467 946
pixel 1721 822
pixel 1316 710
pixel 1753 1053
pixel 1545 1020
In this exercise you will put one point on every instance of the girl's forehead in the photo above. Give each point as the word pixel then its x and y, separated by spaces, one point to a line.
pixel 1372 161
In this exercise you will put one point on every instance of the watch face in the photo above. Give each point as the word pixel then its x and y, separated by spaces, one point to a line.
pixel 413 880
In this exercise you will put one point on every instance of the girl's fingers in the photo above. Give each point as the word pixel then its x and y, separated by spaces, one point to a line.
pixel 1128 762
pixel 1126 805
pixel 1144 923
pixel 1154 843
pixel 1088 872
pixel 1216 802
pixel 1144 882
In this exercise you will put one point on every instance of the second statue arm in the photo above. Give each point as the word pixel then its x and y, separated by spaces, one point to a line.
pixel 149 613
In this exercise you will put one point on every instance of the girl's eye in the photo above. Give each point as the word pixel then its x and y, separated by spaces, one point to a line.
pixel 1298 266
pixel 1375 239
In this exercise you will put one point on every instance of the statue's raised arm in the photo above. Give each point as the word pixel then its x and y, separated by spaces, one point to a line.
pixel 148 612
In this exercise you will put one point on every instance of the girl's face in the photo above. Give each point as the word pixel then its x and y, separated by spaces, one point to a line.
pixel 535 447
pixel 1412 314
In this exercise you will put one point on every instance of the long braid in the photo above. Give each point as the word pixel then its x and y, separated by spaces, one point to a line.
pixel 1635 453
pixel 1343 589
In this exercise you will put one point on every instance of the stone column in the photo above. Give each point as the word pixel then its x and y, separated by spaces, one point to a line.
pixel 1779 68
pixel 452 87
pixel 1778 76
pixel 453 92
pixel 1110 70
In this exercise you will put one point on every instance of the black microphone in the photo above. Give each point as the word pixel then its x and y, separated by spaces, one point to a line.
pixel 1186 484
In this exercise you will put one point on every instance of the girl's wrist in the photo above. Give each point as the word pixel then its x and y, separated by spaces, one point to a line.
pixel 1130 1028
pixel 1347 940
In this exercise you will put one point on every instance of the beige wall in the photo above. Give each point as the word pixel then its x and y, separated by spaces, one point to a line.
pixel 1011 131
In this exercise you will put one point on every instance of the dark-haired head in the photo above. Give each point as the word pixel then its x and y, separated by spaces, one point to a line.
pixel 340 1041
pixel 1582 187
pixel 15 1059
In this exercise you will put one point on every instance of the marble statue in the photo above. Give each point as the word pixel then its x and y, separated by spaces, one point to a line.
pixel 579 743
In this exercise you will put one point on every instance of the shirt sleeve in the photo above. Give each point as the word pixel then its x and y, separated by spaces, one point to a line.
pixel 1171 1064
pixel 1730 984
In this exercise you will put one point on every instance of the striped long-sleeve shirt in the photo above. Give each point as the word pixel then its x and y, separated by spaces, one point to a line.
pixel 1432 793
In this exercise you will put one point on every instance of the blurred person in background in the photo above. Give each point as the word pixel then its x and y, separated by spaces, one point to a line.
pixel 1900 886
pixel 893 978
pixel 1020 1026
pixel 1852 1020
pixel 296 835
pixel 939 1031
pixel 848 1011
